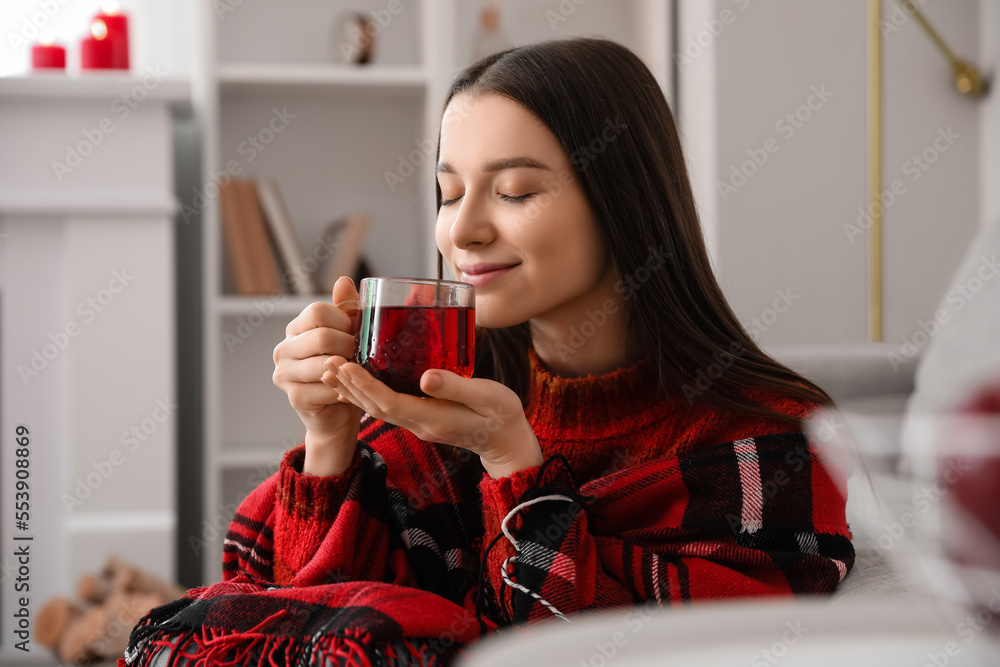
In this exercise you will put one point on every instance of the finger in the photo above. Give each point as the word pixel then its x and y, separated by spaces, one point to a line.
pixel 319 314
pixel 305 370
pixel 358 384
pixel 345 296
pixel 423 416
pixel 334 362
pixel 481 396
pixel 329 378
pixel 315 342
pixel 350 394
pixel 344 290
pixel 311 397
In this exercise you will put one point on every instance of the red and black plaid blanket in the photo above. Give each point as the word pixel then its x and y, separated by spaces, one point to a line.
pixel 391 581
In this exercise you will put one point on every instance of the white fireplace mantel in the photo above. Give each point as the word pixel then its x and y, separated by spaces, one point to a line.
pixel 87 329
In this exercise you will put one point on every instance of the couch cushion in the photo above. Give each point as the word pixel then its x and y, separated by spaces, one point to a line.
pixel 875 576
pixel 961 356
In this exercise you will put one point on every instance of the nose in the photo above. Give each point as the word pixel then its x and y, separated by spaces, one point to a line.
pixel 471 225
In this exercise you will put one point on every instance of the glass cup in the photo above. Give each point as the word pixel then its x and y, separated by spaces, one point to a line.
pixel 407 325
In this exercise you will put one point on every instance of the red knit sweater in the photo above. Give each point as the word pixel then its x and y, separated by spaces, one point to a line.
pixel 651 499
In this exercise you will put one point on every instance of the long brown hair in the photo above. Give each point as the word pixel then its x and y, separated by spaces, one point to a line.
pixel 637 185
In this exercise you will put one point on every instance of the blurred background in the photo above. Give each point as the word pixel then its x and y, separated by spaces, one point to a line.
pixel 162 218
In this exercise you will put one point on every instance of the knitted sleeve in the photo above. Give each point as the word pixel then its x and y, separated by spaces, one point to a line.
pixel 279 528
pixel 395 516
pixel 753 517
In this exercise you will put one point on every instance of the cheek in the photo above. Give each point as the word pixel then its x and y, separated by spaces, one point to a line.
pixel 441 236
pixel 440 228
pixel 569 242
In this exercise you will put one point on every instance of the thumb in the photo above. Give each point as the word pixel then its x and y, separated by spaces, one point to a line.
pixel 476 393
pixel 344 290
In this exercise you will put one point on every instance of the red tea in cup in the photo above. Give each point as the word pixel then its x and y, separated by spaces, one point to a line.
pixel 406 326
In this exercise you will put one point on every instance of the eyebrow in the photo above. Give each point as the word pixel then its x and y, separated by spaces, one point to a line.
pixel 522 162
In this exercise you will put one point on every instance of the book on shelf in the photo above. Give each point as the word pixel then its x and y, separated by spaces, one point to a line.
pixel 289 251
pixel 264 250
pixel 248 240
pixel 346 237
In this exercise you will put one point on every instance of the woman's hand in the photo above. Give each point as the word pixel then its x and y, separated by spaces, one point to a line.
pixel 321 330
pixel 477 414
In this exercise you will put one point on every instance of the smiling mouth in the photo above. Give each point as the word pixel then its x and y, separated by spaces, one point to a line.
pixel 480 277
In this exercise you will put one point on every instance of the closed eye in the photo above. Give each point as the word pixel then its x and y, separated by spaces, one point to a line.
pixel 515 199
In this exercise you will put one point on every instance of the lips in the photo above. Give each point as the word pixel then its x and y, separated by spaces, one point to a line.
pixel 484 267
pixel 485 272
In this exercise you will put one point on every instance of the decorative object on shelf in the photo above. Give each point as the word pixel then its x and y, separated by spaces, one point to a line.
pixel 347 236
pixel 117 26
pixel 491 37
pixel 48 56
pixel 96 51
pixel 107 47
pixel 352 38
pixel 254 264
pixel 96 626
pixel 294 264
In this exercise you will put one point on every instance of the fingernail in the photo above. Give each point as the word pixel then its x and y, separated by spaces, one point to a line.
pixel 433 380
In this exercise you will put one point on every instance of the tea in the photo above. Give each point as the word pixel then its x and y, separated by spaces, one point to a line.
pixel 396 344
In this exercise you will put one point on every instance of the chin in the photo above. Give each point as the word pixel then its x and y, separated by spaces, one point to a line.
pixel 493 322
pixel 495 318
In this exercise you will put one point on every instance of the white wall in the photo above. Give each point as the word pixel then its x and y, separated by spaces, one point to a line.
pixel 783 227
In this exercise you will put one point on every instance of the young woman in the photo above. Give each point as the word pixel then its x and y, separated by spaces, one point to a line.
pixel 623 441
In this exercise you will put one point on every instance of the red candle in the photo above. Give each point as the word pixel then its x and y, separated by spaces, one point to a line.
pixel 48 56
pixel 117 26
pixel 97 52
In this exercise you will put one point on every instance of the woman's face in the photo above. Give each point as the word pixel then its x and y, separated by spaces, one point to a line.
pixel 513 219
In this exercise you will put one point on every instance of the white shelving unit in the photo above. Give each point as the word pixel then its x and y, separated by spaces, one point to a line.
pixel 346 127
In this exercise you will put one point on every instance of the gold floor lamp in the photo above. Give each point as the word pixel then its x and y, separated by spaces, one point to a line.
pixel 967 80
